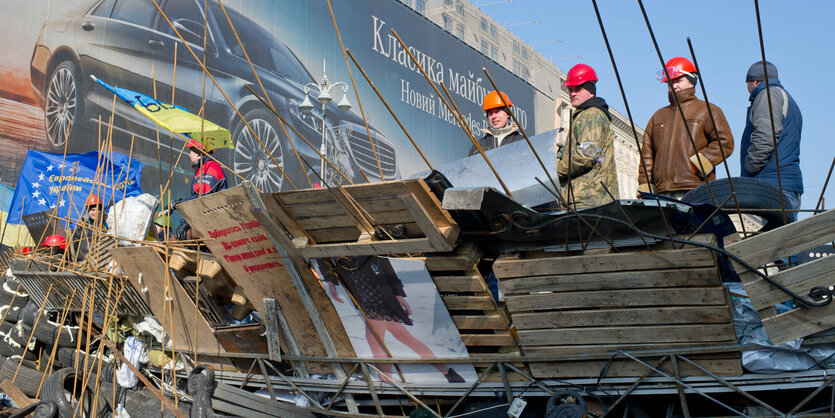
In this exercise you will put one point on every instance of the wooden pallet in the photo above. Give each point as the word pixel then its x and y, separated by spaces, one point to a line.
pixel 484 324
pixel 774 245
pixel 603 302
pixel 341 221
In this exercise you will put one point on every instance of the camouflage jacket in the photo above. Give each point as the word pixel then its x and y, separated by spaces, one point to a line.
pixel 588 159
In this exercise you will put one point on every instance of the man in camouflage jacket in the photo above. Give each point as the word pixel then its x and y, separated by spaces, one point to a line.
pixel 586 161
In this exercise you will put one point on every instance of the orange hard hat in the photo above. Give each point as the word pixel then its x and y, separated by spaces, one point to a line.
pixel 55 240
pixel 93 200
pixel 193 143
pixel 677 67
pixel 579 74
pixel 493 101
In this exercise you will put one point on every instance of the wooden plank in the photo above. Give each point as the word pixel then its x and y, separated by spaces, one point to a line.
pixel 676 296
pixel 664 259
pixel 786 240
pixel 430 230
pixel 420 190
pixel 499 339
pixel 376 205
pixel 350 234
pixel 339 220
pixel 460 284
pixel 403 246
pixel 797 323
pixel 703 276
pixel 258 403
pixel 275 206
pixel 469 302
pixel 627 335
pixel 147 273
pixel 629 316
pixel 272 331
pixel 480 322
pixel 357 191
pixel 630 368
pixel 17 396
pixel 800 279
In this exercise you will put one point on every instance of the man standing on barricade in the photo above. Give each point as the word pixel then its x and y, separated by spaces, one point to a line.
pixel 586 161
pixel 675 167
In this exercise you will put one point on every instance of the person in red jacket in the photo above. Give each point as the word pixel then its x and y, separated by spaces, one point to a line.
pixel 208 178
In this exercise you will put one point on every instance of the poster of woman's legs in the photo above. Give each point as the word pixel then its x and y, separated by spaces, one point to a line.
pixel 391 308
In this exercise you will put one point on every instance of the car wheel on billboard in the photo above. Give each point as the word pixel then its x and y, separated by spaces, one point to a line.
pixel 63 106
pixel 250 160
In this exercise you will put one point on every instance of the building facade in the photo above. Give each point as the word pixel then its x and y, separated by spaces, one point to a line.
pixel 468 23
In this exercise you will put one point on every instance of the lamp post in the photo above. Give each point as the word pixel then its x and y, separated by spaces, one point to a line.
pixel 324 87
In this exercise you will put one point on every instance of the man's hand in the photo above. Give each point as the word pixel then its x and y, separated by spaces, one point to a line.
pixel 705 168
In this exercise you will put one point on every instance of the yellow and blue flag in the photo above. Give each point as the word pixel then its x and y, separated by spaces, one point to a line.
pixel 175 118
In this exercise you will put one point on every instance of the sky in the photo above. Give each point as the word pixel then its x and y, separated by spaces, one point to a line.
pixel 797 36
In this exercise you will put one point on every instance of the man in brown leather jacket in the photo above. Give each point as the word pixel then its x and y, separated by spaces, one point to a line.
pixel 667 152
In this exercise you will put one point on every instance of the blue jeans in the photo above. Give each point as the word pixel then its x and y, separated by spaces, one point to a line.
pixel 791 200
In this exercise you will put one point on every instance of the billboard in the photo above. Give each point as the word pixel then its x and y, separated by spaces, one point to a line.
pixel 49 102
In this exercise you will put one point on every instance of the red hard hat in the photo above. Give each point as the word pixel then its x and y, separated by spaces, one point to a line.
pixel 93 200
pixel 493 101
pixel 580 74
pixel 677 67
pixel 192 143
pixel 25 250
pixel 55 240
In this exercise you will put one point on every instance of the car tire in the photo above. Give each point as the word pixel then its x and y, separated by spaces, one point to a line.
pixel 249 159
pixel 12 316
pixel 59 389
pixel 751 193
pixel 9 348
pixel 50 332
pixel 63 104
pixel 29 313
pixel 28 378
pixel 7 293
pixel 20 333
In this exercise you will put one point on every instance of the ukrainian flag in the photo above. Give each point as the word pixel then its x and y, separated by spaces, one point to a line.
pixel 174 118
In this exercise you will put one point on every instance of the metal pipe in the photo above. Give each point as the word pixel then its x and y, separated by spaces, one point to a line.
pixel 403 128
pixel 770 113
pixel 713 121
pixel 454 113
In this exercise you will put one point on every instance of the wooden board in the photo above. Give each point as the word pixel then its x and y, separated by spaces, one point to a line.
pixel 147 273
pixel 340 221
pixel 773 245
pixel 684 296
pixel 623 317
pixel 248 254
pixel 508 267
pixel 612 280
pixel 707 333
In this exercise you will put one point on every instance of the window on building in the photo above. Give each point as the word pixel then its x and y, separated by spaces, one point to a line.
pixel 515 46
pixel 524 52
pixel 447 23
pixel 420 6
pixel 484 49
pixel 459 7
pixel 459 31
pixel 448 2
pixel 526 74
pixel 493 30
pixel 494 53
pixel 484 24
pixel 517 68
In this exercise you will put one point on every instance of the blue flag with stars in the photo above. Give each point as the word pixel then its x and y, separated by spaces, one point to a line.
pixel 49 181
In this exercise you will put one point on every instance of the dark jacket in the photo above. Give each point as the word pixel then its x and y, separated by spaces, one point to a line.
pixel 757 153
pixel 488 141
pixel 666 147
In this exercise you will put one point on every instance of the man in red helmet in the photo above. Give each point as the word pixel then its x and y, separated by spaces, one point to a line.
pixel 501 130
pixel 675 167
pixel 586 161
pixel 208 178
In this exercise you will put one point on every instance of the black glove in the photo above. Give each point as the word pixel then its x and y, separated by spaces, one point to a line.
pixel 181 231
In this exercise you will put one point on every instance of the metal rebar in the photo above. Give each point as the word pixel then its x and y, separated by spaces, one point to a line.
pixel 770 113
pixel 826 183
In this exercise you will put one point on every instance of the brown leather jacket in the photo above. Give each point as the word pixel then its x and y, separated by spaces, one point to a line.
pixel 666 148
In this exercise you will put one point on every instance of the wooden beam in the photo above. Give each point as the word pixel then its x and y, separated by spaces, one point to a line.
pixel 679 296
pixel 273 332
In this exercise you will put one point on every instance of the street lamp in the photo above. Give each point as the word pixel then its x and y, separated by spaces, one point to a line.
pixel 324 87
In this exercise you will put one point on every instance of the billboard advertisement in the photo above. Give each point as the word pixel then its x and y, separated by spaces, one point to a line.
pixel 49 101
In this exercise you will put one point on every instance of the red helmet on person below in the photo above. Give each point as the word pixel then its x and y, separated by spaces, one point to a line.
pixel 579 74
pixel 193 143
pixel 26 250
pixel 493 101
pixel 677 67
pixel 92 200
pixel 55 240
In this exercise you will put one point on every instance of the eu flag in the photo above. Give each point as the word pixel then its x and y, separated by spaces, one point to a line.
pixel 50 181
